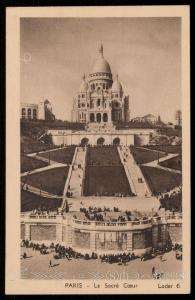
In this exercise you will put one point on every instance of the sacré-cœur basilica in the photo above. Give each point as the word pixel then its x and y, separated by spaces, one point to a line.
pixel 101 104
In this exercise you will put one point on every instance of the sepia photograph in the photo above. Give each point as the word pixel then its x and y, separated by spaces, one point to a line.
pixel 100 124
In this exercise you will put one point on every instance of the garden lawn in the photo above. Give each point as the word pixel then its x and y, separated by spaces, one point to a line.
pixel 51 181
pixel 106 180
pixel 30 163
pixel 30 201
pixel 103 156
pixel 166 148
pixel 173 163
pixel 63 156
pixel 160 180
pixel 143 156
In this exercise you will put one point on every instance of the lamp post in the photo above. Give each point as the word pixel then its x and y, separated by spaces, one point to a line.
pixel 49 152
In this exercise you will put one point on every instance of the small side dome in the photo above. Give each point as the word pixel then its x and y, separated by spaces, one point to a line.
pixel 117 87
pixel 84 86
pixel 47 104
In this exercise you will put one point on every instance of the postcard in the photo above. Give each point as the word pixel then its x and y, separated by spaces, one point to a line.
pixel 98 150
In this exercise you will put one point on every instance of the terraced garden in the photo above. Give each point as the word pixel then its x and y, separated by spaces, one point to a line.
pixel 106 180
pixel 143 156
pixel 29 163
pixel 166 148
pixel 64 155
pixel 52 180
pixel 104 174
pixel 103 156
pixel 30 201
pixel 173 163
pixel 160 180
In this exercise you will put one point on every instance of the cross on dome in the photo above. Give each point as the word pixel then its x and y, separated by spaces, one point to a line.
pixel 101 50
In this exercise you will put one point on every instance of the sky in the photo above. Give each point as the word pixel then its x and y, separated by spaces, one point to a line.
pixel 144 52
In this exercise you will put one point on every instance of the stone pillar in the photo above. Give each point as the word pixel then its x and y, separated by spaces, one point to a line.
pixel 129 241
pixel 59 232
pixel 27 231
pixel 109 117
pixel 164 234
pixel 92 241
pixel 111 139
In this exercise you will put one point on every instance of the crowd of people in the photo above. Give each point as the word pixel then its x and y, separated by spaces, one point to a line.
pixel 115 215
pixel 118 258
pixel 92 213
pixel 110 194
pixel 60 251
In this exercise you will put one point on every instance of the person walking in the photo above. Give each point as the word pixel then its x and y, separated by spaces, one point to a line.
pixel 50 263
pixel 153 270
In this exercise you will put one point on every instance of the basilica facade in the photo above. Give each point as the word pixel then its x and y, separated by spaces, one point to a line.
pixel 100 99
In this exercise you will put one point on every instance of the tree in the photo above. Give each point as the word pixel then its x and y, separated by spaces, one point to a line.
pixel 47 139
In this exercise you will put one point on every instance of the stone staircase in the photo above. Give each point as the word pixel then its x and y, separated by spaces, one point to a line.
pixel 76 178
pixel 141 188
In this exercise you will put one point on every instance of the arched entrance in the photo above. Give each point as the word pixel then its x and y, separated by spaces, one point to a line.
pixel 84 141
pixel 105 117
pixel 100 141
pixel 98 117
pixel 116 141
pixel 92 118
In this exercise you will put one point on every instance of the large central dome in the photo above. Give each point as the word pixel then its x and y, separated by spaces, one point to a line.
pixel 101 65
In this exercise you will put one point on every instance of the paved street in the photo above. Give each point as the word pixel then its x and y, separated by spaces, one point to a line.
pixel 37 267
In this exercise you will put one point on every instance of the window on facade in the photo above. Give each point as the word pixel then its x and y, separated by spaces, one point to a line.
pixel 105 117
pixel 98 102
pixel 138 240
pixel 23 113
pixel 92 117
pixel 83 95
pixel 104 86
pixel 29 113
pixel 34 113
